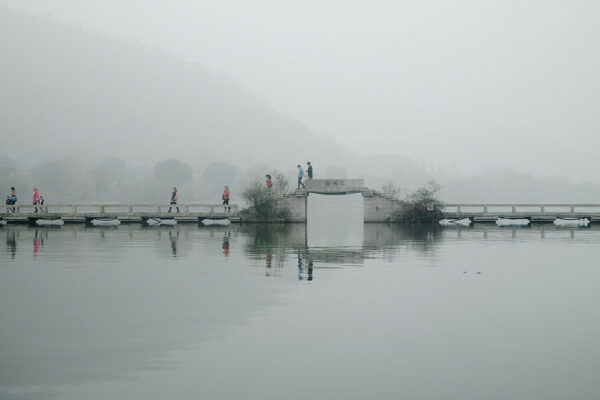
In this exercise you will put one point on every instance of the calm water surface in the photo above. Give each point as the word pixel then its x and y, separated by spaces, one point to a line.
pixel 279 312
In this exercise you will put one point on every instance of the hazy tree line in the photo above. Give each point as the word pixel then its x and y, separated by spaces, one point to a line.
pixel 495 186
pixel 112 180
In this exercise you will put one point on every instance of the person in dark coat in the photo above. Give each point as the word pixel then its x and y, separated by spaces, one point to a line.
pixel 309 170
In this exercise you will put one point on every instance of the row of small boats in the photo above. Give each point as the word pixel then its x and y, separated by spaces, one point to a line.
pixel 114 221
pixel 501 221
pixel 105 221
pixel 517 221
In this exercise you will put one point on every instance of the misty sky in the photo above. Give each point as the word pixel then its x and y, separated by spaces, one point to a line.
pixel 467 84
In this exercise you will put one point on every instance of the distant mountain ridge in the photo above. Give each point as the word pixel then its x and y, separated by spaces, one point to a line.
pixel 67 89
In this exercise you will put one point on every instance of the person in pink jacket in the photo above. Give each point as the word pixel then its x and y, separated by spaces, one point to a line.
pixel 36 198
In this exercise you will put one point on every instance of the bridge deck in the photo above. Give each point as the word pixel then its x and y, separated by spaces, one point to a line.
pixel 537 212
pixel 334 186
pixel 195 212
pixel 125 212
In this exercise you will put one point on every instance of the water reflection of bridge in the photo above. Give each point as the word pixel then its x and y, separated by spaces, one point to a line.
pixel 285 239
pixel 110 286
pixel 389 238
pixel 535 231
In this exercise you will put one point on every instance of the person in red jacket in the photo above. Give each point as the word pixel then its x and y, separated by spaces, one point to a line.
pixel 36 198
pixel 226 194
pixel 269 183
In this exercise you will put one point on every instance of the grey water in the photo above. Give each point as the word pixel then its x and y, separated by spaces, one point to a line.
pixel 290 312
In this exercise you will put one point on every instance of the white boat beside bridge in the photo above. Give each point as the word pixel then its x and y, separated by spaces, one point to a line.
pixel 535 213
pixel 110 214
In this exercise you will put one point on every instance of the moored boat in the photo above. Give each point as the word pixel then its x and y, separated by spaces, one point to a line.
pixel 572 221
pixel 49 221
pixel 105 221
pixel 161 221
pixel 456 221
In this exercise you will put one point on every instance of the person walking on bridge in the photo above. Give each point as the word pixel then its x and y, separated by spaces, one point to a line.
pixel 174 198
pixel 226 194
pixel 13 197
pixel 309 170
pixel 36 198
pixel 300 176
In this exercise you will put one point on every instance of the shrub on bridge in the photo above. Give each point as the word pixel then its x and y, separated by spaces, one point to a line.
pixel 421 207
pixel 390 189
pixel 280 184
pixel 263 204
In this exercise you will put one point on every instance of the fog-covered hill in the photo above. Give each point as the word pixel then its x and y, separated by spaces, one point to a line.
pixel 72 100
pixel 66 89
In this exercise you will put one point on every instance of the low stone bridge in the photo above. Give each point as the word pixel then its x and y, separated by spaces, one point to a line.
pixel 547 212
pixel 377 208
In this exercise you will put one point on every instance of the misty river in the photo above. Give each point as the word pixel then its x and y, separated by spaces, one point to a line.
pixel 330 310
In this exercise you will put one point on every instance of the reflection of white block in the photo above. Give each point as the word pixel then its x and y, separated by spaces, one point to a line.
pixel 513 221
pixel 335 220
pixel 51 222
pixel 571 222
pixel 216 222
pixel 159 221
pixel 105 222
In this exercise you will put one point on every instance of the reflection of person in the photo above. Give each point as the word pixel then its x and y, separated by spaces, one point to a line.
pixel 268 260
pixel 174 243
pixel 37 242
pixel 226 195
pixel 226 244
pixel 300 176
pixel 11 244
pixel 310 270
pixel 300 267
pixel 174 198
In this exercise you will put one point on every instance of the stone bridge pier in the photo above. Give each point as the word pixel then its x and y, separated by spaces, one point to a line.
pixel 377 208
